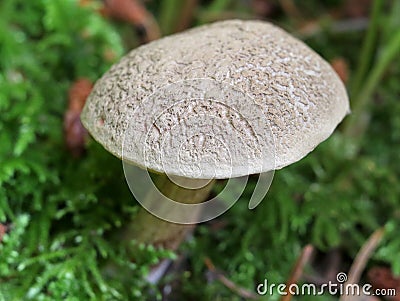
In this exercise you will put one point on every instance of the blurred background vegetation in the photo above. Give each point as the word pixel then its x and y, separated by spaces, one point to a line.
pixel 64 200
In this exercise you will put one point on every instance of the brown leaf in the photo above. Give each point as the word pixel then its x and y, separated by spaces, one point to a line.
pixel 3 230
pixel 74 133
pixel 339 64
pixel 133 12
pixel 357 8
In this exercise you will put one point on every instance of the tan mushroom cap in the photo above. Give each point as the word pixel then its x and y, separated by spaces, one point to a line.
pixel 222 100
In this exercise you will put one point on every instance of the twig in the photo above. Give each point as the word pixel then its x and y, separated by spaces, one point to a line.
pixel 362 258
pixel 228 283
pixel 297 271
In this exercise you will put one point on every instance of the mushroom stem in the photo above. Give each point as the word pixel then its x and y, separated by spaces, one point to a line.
pixel 152 230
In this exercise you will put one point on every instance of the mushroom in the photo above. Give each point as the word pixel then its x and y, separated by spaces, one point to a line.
pixel 219 101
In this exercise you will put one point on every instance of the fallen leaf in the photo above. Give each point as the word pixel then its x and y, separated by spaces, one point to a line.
pixel 133 12
pixel 74 133
pixel 340 66
pixel 3 230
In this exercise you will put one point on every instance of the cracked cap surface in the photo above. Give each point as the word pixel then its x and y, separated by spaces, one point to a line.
pixel 222 100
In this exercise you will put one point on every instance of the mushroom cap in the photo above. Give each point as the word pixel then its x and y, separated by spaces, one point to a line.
pixel 222 100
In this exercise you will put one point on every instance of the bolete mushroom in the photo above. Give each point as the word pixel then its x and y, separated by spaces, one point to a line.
pixel 219 101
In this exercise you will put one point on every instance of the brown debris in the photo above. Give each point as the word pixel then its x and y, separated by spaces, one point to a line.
pixel 297 271
pixel 291 10
pixel 264 8
pixel 109 55
pixel 361 260
pixel 229 283
pixel 187 15
pixel 383 278
pixel 3 231
pixel 133 12
pixel 341 67
pixel 74 133
pixel 356 8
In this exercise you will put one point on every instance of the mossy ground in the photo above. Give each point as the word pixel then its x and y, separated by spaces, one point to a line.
pixel 64 215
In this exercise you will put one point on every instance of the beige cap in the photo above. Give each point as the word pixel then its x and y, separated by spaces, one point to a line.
pixel 222 100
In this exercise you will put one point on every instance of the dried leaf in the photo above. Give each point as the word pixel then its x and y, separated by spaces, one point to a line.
pixel 3 230
pixel 74 132
pixel 133 12
pixel 341 67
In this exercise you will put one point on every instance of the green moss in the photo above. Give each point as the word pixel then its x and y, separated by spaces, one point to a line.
pixel 66 215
